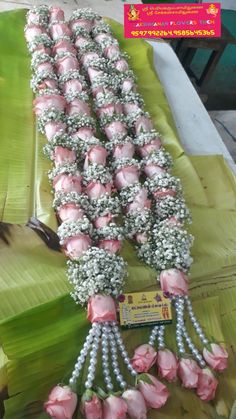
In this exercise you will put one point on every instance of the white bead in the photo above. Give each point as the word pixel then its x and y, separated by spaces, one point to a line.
pixel 133 372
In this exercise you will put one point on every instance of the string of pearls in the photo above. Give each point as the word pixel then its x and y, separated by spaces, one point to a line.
pixel 107 336
pixel 158 332
pixel 179 308
pixel 92 337
pixel 195 322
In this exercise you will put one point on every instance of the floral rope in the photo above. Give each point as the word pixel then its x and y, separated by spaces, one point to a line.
pixel 65 58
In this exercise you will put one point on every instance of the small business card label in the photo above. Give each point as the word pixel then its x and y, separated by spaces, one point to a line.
pixel 144 309
pixel 180 20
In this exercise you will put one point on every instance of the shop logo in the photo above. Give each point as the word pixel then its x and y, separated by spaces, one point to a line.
pixel 133 14
pixel 212 10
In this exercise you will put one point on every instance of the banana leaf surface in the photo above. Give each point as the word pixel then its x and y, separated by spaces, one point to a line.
pixel 41 329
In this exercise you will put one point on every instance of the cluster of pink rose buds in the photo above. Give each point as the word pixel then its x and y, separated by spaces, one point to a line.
pixel 170 368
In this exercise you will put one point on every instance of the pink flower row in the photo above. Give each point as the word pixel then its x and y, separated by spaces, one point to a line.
pixel 65 182
pixel 151 393
pixel 169 367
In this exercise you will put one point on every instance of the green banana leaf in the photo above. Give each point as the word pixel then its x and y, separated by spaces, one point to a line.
pixel 41 329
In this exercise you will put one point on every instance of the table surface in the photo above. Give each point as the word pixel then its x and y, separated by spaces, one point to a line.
pixel 197 133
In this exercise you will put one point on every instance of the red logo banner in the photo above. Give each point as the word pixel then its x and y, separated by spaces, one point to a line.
pixel 180 20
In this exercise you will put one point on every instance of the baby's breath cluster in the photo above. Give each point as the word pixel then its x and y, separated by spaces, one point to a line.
pixel 125 162
pixel 74 122
pixel 137 222
pixel 96 172
pixel 163 182
pixel 168 248
pixel 110 232
pixel 70 168
pixel 104 205
pixel 50 115
pixel 98 272
pixel 73 228
pixel 61 198
pixel 170 206
pixel 160 158
pixel 60 139
pixel 145 137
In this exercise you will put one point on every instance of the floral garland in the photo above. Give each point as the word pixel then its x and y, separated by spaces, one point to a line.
pixel 88 205
pixel 161 240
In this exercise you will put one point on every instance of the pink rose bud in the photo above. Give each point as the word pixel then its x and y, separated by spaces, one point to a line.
pixel 162 194
pixel 88 56
pixel 103 221
pixel 101 308
pixel 96 91
pixel 123 151
pixel 216 357
pixel 44 50
pixel 130 107
pixel 83 133
pixel 144 358
pixel 167 364
pixel 61 403
pixel 44 67
pixel 52 128
pixel 152 169
pixel 137 408
pixel 95 190
pixel 67 183
pixel 115 128
pixel 126 176
pixel 66 63
pixel 92 407
pixel 142 124
pixel 81 23
pixel 207 384
pixel 63 155
pixel 33 18
pixel 56 13
pixel 96 154
pixel 110 245
pixel 75 246
pixel 78 106
pixel 188 372
pixel 111 109
pixel 114 408
pixel 101 37
pixel 72 86
pixel 127 86
pixel 63 46
pixel 121 65
pixel 32 31
pixel 140 202
pixel 49 101
pixel 154 392
pixel 57 30
pixel 141 238
pixel 70 212
pixel 174 282
pixel 48 84
pixel 147 149
pixel 81 41
pixel 111 51
pixel 93 74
